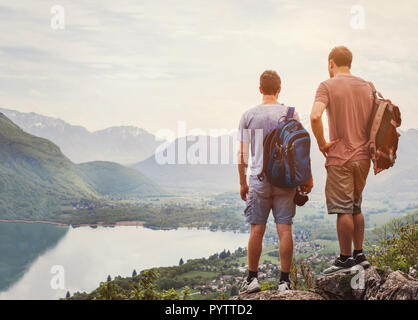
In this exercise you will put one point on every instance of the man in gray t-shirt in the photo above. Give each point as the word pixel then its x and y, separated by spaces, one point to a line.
pixel 260 196
pixel 255 125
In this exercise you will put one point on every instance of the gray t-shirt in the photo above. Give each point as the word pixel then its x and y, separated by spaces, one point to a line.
pixel 255 125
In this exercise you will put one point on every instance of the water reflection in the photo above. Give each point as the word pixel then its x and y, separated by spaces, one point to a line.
pixel 89 255
pixel 21 244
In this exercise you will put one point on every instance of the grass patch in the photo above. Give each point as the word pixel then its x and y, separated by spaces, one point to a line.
pixel 330 246
pixel 204 275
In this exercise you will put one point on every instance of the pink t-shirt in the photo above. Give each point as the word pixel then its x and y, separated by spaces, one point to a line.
pixel 349 102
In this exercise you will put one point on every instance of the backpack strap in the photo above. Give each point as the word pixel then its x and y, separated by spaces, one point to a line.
pixel 290 113
pixel 375 92
pixel 373 132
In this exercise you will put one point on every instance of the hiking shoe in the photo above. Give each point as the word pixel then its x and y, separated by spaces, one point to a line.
pixel 283 286
pixel 340 266
pixel 361 260
pixel 250 287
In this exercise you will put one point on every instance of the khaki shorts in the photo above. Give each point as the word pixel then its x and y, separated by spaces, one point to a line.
pixel 345 185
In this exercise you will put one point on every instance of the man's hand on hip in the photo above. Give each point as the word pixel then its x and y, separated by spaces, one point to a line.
pixel 325 147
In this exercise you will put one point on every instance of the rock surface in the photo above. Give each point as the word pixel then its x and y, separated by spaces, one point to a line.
pixel 371 284
pixel 275 295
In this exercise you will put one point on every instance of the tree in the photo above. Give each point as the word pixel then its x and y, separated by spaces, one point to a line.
pixel 109 278
pixel 110 291
pixel 181 262
pixel 144 290
pixel 186 293
pixel 134 274
pixel 68 294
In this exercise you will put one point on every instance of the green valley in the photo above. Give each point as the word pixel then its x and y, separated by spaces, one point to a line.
pixel 37 181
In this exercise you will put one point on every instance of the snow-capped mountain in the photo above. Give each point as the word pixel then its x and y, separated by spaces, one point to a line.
pixel 124 144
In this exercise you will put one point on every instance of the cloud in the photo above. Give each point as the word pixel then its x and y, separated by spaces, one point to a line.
pixel 152 63
pixel 36 93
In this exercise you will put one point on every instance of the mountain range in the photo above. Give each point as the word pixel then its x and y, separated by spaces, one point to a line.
pixel 124 144
pixel 403 177
pixel 218 177
pixel 37 179
pixel 205 176
pixel 208 177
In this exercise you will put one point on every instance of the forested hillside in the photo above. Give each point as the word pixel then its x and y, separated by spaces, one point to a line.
pixel 37 180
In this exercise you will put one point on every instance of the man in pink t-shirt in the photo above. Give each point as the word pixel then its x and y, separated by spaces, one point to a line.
pixel 348 101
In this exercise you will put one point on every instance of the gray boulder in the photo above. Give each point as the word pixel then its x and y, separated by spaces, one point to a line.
pixel 372 284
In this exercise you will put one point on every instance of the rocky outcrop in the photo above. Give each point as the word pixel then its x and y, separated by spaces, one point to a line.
pixel 371 284
pixel 275 295
pixel 413 271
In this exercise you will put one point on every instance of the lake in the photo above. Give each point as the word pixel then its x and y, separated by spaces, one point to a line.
pixel 32 255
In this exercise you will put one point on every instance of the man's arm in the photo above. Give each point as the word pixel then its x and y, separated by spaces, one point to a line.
pixel 243 154
pixel 318 128
pixel 308 185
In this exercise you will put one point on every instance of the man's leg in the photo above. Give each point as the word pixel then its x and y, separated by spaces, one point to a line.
pixel 358 235
pixel 284 209
pixel 255 246
pixel 358 255
pixel 345 231
pixel 339 192
pixel 284 232
pixel 361 171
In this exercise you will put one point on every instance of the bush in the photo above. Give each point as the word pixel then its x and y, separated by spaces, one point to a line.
pixel 142 289
pixel 306 273
pixel 395 244
pixel 265 285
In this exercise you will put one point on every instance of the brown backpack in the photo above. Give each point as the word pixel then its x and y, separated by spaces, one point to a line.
pixel 383 136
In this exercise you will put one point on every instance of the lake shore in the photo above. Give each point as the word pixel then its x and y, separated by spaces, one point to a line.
pixel 118 223
pixel 90 255
pixel 99 224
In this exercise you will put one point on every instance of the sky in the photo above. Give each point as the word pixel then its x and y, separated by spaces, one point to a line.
pixel 153 63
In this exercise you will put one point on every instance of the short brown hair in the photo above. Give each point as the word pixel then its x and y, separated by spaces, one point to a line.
pixel 342 56
pixel 270 82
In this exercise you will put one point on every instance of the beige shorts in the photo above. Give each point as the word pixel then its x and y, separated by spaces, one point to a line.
pixel 345 185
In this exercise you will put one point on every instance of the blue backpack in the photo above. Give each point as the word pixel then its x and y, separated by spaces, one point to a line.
pixel 286 157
